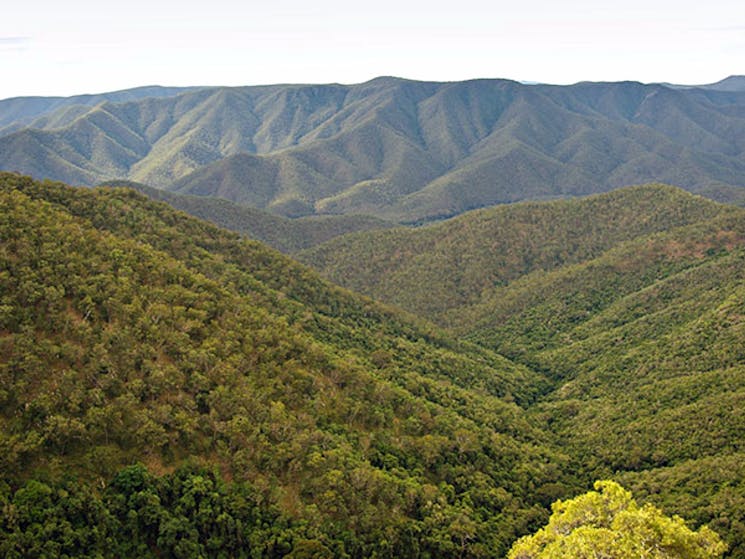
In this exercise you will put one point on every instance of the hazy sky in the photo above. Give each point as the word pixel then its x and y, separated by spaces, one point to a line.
pixel 81 46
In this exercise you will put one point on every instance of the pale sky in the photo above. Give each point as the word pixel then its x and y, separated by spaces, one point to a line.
pixel 84 46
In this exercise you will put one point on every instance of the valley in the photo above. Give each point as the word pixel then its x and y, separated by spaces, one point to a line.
pixel 391 319
pixel 608 345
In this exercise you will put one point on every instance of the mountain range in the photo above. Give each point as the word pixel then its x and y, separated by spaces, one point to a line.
pixel 397 149
pixel 172 389
pixel 424 371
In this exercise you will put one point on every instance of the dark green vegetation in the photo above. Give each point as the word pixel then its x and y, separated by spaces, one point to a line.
pixel 275 413
pixel 459 266
pixel 282 233
pixel 631 303
pixel 130 332
pixel 190 513
pixel 402 150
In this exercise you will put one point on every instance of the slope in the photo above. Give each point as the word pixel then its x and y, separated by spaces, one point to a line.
pixel 438 270
pixel 402 150
pixel 131 332
pixel 645 346
pixel 281 233
pixel 631 305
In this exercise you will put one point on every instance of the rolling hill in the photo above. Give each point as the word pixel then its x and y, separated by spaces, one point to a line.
pixel 130 332
pixel 284 234
pixel 170 389
pixel 397 149
pixel 440 270
pixel 629 302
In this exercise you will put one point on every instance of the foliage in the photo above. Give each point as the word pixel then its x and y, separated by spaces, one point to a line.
pixel 282 233
pixel 608 523
pixel 131 332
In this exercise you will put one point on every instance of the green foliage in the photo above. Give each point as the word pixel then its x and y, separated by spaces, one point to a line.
pixel 284 415
pixel 44 521
pixel 608 523
pixel 284 234
pixel 131 332
pixel 189 513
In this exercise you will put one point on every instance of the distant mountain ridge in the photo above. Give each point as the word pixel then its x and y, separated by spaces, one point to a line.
pixel 18 112
pixel 398 149
pixel 731 83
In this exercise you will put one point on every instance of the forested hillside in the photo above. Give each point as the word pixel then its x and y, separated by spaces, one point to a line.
pixel 134 333
pixel 398 149
pixel 439 270
pixel 170 389
pixel 287 235
pixel 630 303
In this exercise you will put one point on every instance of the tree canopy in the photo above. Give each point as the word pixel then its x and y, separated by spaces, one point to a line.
pixel 609 524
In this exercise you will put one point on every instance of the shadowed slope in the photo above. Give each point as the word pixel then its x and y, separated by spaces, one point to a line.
pixel 284 234
pixel 403 150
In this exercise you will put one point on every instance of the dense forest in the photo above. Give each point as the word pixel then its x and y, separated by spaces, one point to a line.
pixel 171 389
pixel 132 333
pixel 630 303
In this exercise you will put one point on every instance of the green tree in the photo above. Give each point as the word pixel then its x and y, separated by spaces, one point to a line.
pixel 310 549
pixel 608 524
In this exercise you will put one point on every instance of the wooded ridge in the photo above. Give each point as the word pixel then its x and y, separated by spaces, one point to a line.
pixel 402 150
pixel 172 389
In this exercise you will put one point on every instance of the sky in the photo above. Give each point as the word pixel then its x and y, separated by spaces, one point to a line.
pixel 52 48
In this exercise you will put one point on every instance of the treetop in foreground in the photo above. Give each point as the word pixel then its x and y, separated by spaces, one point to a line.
pixel 609 524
